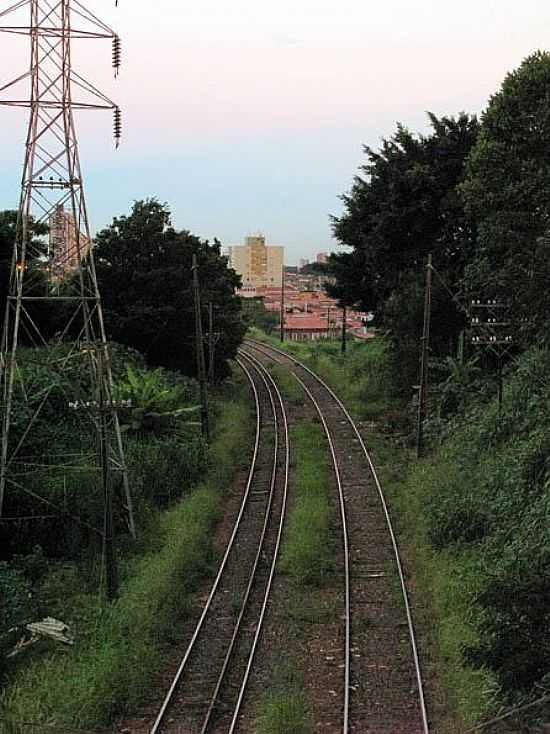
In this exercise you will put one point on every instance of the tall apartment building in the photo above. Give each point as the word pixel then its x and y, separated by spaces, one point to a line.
pixel 258 264
pixel 64 250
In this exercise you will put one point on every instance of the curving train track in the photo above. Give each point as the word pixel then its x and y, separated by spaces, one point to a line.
pixel 382 688
pixel 383 685
pixel 207 690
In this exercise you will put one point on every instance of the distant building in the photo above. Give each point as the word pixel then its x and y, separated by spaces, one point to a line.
pixel 322 257
pixel 306 327
pixel 65 250
pixel 302 263
pixel 258 264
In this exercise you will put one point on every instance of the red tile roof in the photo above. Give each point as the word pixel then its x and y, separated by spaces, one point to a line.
pixel 305 322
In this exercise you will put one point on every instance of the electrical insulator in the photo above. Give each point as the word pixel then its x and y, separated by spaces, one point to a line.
pixel 117 125
pixel 117 53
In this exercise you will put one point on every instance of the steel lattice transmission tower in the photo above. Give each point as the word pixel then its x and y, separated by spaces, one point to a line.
pixel 59 272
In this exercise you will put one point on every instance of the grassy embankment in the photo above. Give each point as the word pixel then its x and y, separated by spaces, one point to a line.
pixel 118 646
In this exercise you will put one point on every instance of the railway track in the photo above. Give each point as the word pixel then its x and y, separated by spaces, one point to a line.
pixel 207 692
pixel 383 686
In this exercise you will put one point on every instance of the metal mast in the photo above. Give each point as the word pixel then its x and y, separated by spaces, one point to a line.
pixel 59 272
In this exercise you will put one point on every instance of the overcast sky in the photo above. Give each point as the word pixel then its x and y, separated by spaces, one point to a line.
pixel 247 115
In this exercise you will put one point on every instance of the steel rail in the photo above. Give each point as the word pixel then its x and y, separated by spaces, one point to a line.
pixel 267 349
pixel 347 595
pixel 261 618
pixel 229 652
pixel 222 675
pixel 168 698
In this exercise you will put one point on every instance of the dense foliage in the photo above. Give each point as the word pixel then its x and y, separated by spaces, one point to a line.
pixel 256 314
pixel 160 456
pixel 488 501
pixel 145 278
pixel 475 196
pixel 93 683
pixel 507 193
pixel 403 206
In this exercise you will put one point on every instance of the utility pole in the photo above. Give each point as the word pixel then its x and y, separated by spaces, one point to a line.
pixel 283 303
pixel 492 331
pixel 199 345
pixel 423 382
pixel 109 556
pixel 344 328
pixel 53 199
pixel 211 344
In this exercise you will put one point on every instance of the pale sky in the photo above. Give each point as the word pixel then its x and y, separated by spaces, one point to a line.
pixel 247 115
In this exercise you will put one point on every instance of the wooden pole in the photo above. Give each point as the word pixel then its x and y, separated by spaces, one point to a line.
pixel 423 383
pixel 283 303
pixel 211 342
pixel 199 346
pixel 500 385
pixel 344 328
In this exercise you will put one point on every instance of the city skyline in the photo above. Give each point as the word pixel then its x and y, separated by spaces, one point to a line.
pixel 234 146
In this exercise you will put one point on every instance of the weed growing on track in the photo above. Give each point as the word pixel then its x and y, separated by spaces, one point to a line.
pixel 284 713
pixel 307 552
pixel 288 385
pixel 119 646
pixel 284 710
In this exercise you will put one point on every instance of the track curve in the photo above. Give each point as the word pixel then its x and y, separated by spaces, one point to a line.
pixel 211 680
pixel 376 695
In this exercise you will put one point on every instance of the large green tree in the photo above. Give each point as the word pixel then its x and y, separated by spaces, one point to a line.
pixel 507 191
pixel 402 206
pixel 144 274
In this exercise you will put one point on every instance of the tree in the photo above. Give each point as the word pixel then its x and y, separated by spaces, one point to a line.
pixel 8 220
pixel 404 206
pixel 44 316
pixel 256 314
pixel 507 191
pixel 144 275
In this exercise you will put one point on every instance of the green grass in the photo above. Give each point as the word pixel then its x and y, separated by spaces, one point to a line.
pixel 287 384
pixel 361 377
pixel 284 713
pixel 119 645
pixel 306 553
pixel 284 709
pixel 444 583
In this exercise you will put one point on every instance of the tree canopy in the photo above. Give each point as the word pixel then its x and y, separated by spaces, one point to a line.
pixel 404 205
pixel 507 192
pixel 144 274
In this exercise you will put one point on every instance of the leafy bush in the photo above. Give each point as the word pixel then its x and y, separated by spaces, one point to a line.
pixel 152 403
pixel 16 606
pixel 486 496
pixel 161 471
